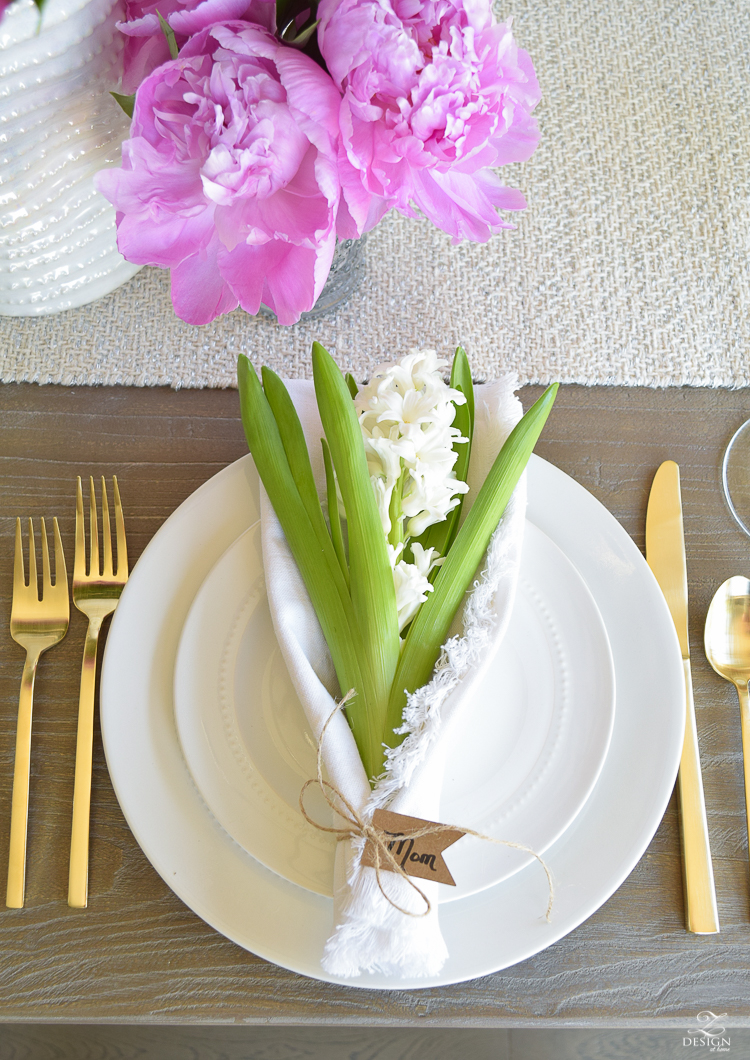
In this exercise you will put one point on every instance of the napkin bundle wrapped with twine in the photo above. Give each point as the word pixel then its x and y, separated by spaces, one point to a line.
pixel 374 933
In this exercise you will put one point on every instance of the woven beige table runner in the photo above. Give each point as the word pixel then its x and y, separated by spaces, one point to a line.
pixel 631 265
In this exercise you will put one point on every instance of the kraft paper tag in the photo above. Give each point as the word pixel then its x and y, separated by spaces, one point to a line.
pixel 420 857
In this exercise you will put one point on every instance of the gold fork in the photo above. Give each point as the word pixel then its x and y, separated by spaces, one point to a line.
pixel 96 594
pixel 36 625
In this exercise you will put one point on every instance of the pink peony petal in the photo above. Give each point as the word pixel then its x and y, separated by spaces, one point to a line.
pixel 230 176
pixel 146 26
pixel 190 21
pixel 518 143
pixel 297 213
pixel 434 92
pixel 295 282
pixel 186 17
pixel 245 269
pixel 199 292
pixel 363 209
pixel 501 197
pixel 460 204
pixel 314 96
pixel 141 55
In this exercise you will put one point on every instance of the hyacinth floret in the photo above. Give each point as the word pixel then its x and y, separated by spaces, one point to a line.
pixel 406 413
pixel 411 580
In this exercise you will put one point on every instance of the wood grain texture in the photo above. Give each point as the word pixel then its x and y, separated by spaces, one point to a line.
pixel 91 1042
pixel 137 954
pixel 250 1043
pixel 623 1045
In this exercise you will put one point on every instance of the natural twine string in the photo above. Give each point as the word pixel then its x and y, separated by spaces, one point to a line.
pixel 381 840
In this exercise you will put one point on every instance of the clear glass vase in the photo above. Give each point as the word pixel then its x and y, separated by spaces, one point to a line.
pixel 347 270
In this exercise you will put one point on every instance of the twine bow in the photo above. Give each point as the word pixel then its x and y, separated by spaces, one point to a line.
pixel 360 827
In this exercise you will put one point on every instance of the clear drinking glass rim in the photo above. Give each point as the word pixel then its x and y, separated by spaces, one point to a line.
pixel 725 484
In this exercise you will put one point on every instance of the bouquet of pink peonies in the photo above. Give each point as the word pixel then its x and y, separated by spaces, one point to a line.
pixel 263 133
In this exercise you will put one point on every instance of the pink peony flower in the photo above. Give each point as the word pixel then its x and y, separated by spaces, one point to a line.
pixel 146 46
pixel 434 93
pixel 229 176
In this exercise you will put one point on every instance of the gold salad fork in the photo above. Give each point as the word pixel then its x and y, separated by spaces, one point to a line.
pixel 96 594
pixel 36 625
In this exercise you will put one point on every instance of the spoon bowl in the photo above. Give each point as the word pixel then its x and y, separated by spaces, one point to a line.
pixel 727 644
pixel 727 634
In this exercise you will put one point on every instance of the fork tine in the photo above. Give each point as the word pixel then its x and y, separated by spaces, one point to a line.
pixel 79 565
pixel 94 570
pixel 19 577
pixel 106 533
pixel 33 579
pixel 122 549
pixel 46 578
pixel 61 572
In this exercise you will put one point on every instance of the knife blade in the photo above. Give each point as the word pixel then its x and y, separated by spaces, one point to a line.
pixel 665 554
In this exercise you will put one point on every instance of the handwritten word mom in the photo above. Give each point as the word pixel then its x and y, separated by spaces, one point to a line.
pixel 409 854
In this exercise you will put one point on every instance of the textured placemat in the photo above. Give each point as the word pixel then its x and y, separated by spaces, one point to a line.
pixel 631 265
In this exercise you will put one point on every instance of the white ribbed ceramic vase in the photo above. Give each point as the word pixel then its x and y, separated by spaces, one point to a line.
pixel 58 126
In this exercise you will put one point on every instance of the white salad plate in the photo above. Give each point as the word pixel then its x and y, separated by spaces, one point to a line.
pixel 288 924
pixel 520 769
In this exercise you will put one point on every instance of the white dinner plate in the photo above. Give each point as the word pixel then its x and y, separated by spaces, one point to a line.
pixel 521 768
pixel 288 924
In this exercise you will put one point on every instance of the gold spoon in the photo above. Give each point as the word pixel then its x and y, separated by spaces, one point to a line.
pixel 727 642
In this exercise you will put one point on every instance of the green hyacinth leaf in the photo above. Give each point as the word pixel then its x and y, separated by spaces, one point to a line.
pixel 370 576
pixel 430 627
pixel 333 608
pixel 333 510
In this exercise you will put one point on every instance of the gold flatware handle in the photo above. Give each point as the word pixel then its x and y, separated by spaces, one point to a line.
pixel 78 877
pixel 19 814
pixel 742 692
pixel 700 893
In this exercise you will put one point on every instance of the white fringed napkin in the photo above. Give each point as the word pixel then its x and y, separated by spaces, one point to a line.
pixel 369 933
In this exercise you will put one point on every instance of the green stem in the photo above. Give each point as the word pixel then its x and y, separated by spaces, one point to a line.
pixel 395 513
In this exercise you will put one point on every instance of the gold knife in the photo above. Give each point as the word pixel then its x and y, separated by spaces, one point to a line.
pixel 665 553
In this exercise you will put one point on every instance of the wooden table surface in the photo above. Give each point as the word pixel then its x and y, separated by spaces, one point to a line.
pixel 137 954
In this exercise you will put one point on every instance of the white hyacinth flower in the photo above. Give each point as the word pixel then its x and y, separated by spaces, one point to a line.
pixel 406 413
pixel 411 579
